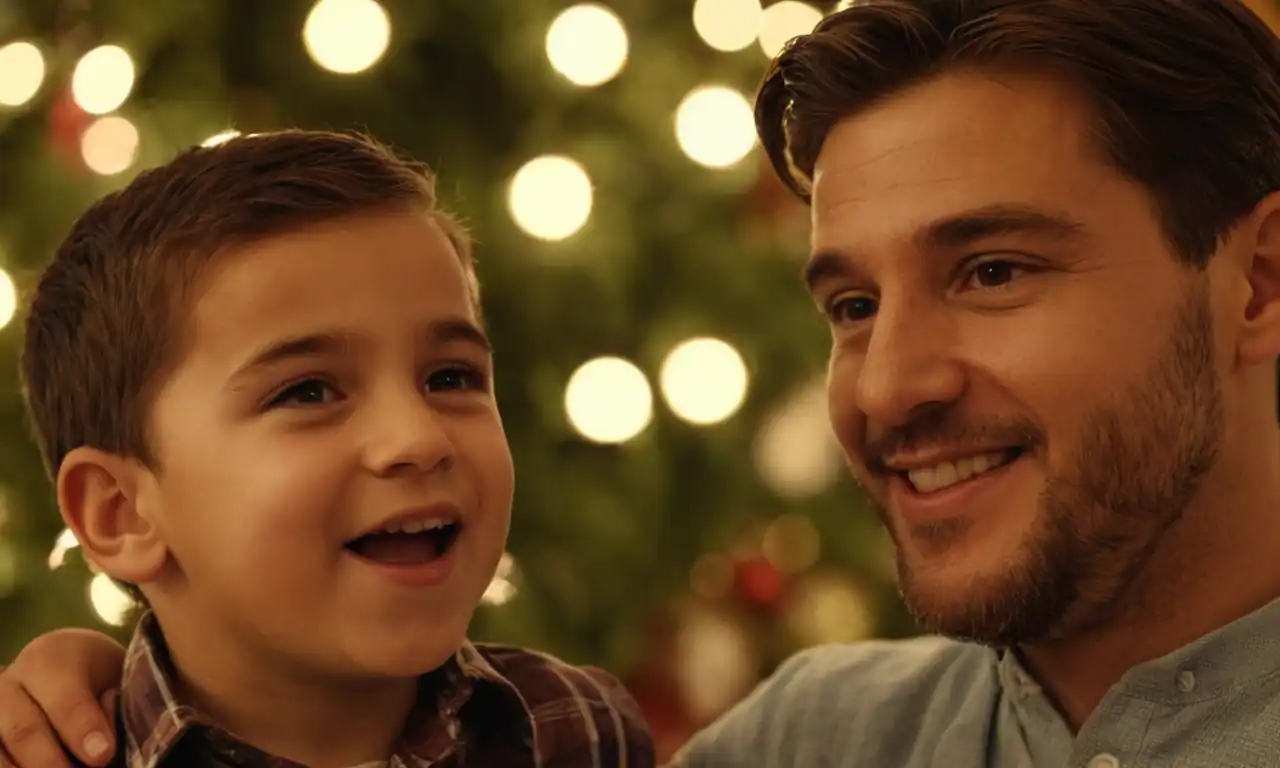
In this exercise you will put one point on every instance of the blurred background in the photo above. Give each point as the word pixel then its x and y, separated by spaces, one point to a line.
pixel 682 515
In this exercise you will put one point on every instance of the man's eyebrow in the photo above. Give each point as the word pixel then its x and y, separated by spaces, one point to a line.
pixel 956 231
pixel 995 220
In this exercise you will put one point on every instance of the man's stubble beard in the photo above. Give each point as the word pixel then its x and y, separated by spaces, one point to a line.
pixel 1139 462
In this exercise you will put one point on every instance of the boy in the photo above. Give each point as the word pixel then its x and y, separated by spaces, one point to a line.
pixel 259 377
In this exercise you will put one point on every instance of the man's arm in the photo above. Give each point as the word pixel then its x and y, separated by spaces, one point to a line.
pixel 60 690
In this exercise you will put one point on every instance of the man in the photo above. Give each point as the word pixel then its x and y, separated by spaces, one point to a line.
pixel 1047 240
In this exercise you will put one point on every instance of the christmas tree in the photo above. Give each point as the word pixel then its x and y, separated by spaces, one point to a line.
pixel 682 516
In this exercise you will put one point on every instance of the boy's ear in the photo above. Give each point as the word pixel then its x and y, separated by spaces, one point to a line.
pixel 97 495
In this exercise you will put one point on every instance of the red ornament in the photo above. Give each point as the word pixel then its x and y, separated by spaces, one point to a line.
pixel 67 123
pixel 759 583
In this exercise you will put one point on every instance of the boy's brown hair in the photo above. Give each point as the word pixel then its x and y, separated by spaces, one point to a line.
pixel 110 310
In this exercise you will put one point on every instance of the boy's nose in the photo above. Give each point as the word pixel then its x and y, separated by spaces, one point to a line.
pixel 408 440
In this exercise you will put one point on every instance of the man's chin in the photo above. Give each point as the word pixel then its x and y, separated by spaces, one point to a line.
pixel 996 610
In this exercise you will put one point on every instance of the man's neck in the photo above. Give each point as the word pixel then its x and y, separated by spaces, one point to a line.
pixel 1216 565
pixel 276 706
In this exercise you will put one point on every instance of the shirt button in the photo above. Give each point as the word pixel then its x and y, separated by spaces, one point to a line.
pixel 1186 682
pixel 1104 760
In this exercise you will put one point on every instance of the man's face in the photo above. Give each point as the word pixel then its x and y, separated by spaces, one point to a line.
pixel 1022 375
pixel 334 382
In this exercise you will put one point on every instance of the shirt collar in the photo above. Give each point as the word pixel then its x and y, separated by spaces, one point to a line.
pixel 1207 668
pixel 155 717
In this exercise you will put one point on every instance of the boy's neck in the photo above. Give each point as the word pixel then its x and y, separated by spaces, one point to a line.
pixel 277 707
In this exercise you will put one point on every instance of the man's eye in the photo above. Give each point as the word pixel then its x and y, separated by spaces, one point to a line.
pixel 305 393
pixel 448 379
pixel 992 275
pixel 851 309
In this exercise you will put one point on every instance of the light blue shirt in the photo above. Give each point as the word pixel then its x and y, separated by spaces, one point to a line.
pixel 935 703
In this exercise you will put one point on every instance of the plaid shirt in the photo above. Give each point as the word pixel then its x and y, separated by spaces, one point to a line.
pixel 490 706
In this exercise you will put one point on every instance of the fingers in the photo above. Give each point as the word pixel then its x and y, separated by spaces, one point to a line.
pixel 26 738
pixel 64 673
pixel 79 720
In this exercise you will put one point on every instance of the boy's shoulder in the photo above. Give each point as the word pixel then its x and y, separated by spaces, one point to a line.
pixel 575 711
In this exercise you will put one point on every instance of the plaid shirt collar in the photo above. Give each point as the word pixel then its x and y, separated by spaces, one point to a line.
pixel 552 715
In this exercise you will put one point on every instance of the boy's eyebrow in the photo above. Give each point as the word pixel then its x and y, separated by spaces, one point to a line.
pixel 442 331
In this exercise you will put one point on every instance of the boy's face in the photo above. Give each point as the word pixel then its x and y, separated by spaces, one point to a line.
pixel 333 382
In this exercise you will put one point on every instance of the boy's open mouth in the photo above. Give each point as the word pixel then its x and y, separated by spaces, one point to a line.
pixel 406 547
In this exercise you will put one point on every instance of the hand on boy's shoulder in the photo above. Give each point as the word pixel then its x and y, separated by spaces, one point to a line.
pixel 582 715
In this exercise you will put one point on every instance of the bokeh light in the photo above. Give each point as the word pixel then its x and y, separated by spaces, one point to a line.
pixel 715 126
pixel 109 601
pixel 8 298
pixel 727 25
pixel 23 66
pixel 783 21
pixel 587 44
pixel 346 37
pixel 608 400
pixel 103 79
pixel 704 381
pixel 110 145
pixel 550 197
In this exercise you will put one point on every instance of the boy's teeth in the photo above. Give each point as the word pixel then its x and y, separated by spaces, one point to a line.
pixel 949 473
pixel 416 526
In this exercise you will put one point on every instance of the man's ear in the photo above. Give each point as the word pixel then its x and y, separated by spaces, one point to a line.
pixel 98 498
pixel 1260 341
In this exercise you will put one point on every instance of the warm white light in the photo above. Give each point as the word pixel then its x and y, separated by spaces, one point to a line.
pixel 587 44
pixel 608 400
pixel 796 452
pixel 704 381
pixel 220 138
pixel 783 21
pixel 110 145
pixel 727 25
pixel 103 79
pixel 109 601
pixel 23 70
pixel 550 197
pixel 8 298
pixel 715 126
pixel 502 588
pixel 66 542
pixel 346 36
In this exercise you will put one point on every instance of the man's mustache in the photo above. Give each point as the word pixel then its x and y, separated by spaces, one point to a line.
pixel 944 428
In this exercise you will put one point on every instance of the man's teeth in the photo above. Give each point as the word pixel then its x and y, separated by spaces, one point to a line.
pixel 415 526
pixel 949 473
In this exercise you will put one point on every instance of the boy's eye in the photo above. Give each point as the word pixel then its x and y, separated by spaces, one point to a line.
pixel 448 379
pixel 309 392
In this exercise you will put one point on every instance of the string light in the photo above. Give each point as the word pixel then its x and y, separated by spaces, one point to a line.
pixel 783 21
pixel 346 37
pixel 24 69
pixel 109 601
pixel 715 126
pixel 704 381
pixel 608 400
pixel 587 44
pixel 550 197
pixel 110 145
pixel 727 25
pixel 8 298
pixel 103 79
